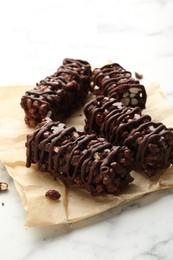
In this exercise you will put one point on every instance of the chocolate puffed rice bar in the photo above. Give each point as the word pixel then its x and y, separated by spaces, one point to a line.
pixel 151 143
pixel 112 80
pixel 58 95
pixel 79 159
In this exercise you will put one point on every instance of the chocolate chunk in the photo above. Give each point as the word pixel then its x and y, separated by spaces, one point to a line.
pixel 58 95
pixel 53 194
pixel 79 159
pixel 151 143
pixel 112 80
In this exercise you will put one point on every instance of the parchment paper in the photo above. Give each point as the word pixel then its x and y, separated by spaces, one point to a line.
pixel 74 204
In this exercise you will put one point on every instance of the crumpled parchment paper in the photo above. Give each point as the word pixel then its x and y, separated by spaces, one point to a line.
pixel 74 204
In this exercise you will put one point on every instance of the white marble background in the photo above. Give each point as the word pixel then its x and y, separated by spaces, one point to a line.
pixel 34 38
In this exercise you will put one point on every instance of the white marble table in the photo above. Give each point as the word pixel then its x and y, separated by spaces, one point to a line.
pixel 35 37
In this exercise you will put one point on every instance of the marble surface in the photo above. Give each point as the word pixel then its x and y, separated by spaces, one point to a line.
pixel 35 37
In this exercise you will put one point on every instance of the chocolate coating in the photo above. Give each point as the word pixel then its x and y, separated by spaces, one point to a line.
pixel 84 160
pixel 58 95
pixel 112 80
pixel 151 143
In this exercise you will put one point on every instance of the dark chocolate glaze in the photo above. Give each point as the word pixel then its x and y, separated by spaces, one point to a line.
pixel 112 80
pixel 58 95
pixel 150 142
pixel 80 159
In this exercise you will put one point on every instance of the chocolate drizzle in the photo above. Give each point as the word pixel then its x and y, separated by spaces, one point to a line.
pixel 112 80
pixel 151 143
pixel 79 159
pixel 58 95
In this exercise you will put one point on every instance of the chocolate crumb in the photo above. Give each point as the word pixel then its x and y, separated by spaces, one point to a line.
pixel 3 186
pixel 53 194
pixel 2 203
pixel 138 75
